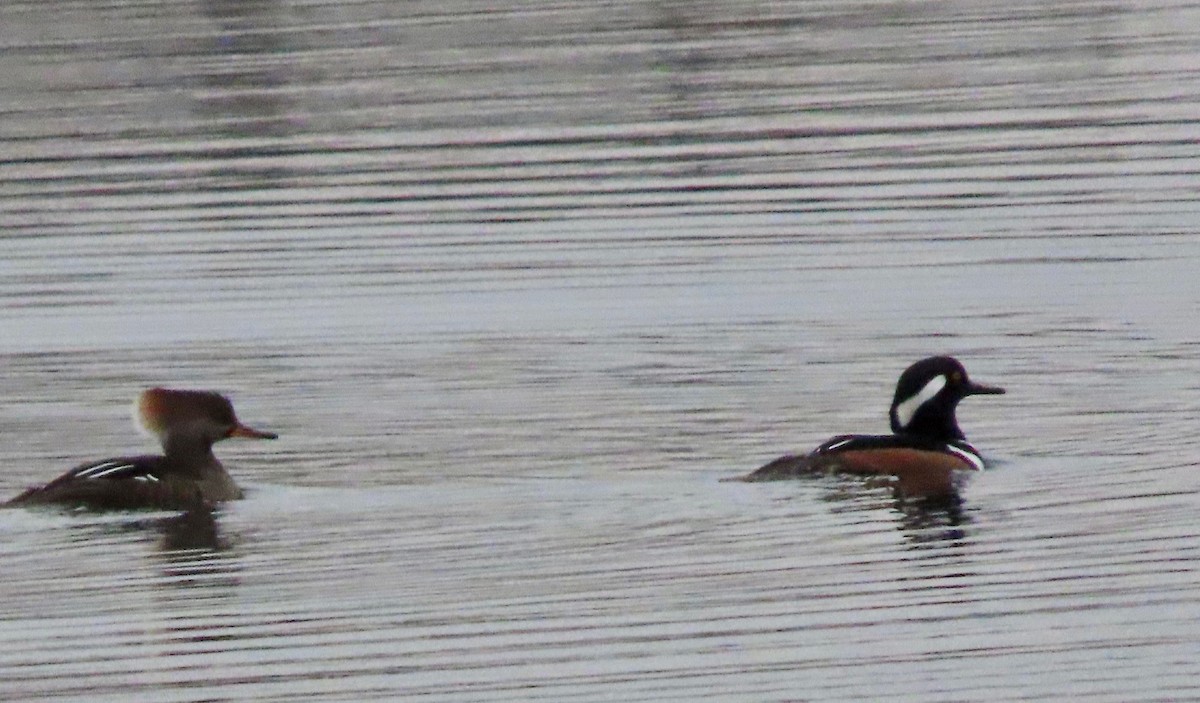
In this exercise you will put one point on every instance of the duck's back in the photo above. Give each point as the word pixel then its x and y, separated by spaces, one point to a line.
pixel 131 483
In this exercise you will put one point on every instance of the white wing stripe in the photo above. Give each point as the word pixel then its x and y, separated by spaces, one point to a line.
pixel 102 470
pixel 90 470
pixel 113 470
pixel 835 445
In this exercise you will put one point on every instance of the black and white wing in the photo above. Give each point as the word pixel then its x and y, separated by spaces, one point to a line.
pixel 138 468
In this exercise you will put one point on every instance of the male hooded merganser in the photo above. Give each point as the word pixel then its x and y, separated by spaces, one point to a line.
pixel 927 448
pixel 186 475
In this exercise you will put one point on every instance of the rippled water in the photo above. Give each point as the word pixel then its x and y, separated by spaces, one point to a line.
pixel 519 284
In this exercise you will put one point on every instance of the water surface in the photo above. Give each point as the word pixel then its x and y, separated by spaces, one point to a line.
pixel 519 284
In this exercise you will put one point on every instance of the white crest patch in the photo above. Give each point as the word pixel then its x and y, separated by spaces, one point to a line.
pixel 907 409
pixel 135 412
pixel 141 421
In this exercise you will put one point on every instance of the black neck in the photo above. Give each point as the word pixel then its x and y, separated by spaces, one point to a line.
pixel 932 420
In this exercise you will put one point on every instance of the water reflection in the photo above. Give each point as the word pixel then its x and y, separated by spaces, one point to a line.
pixel 190 532
pixel 937 521
pixel 189 548
pixel 943 516
pixel 199 576
pixel 246 72
pixel 245 69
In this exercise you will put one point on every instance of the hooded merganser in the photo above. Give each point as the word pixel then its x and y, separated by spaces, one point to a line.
pixel 927 448
pixel 185 476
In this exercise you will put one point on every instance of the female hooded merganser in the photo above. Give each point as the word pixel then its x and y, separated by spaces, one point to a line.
pixel 187 475
pixel 927 448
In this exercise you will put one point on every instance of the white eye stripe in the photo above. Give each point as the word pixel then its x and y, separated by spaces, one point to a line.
pixel 907 409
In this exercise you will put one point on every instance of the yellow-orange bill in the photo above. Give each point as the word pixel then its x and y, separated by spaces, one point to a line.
pixel 251 433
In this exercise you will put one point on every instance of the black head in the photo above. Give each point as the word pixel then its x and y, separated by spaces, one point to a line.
pixel 927 394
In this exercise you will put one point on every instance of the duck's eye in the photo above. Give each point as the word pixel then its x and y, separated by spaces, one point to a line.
pixel 956 377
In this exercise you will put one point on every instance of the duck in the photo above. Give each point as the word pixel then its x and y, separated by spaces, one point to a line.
pixel 927 451
pixel 187 423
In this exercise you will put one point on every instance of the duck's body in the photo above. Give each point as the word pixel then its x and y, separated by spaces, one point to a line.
pixel 138 482
pixel 187 474
pixel 926 448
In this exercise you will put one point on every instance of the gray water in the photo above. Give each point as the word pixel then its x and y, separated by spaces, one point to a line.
pixel 518 284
